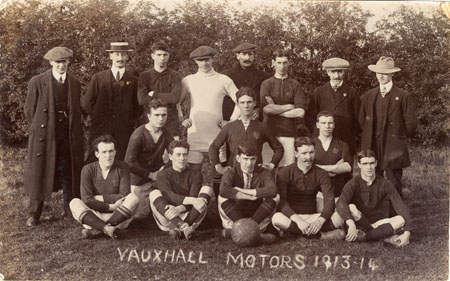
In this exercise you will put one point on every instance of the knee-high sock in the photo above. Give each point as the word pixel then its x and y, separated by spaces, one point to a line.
pixel 364 223
pixel 216 183
pixel 231 210
pixel 93 221
pixel 161 204
pixel 293 228
pixel 265 209
pixel 381 231
pixel 120 214
pixel 328 226
pixel 194 214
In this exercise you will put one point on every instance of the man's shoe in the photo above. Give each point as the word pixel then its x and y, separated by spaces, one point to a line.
pixel 109 230
pixel 175 233
pixel 89 233
pixel 337 234
pixel 187 230
pixel 268 238
pixel 31 222
pixel 226 233
pixel 361 235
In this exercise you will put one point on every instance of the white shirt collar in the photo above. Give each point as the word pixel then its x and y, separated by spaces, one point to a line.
pixel 115 69
pixel 386 88
pixel 57 75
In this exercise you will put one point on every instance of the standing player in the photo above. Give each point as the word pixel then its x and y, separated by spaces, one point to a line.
pixel 340 100
pixel 298 185
pixel 368 192
pixel 247 191
pixel 145 154
pixel 205 90
pixel 111 101
pixel 162 83
pixel 283 102
pixel 106 202
pixel 180 203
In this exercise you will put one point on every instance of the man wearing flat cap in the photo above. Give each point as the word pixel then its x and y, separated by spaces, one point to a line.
pixel 205 91
pixel 111 101
pixel 244 74
pixel 55 144
pixel 387 117
pixel 161 82
pixel 338 98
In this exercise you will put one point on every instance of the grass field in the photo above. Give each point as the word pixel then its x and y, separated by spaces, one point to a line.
pixel 53 250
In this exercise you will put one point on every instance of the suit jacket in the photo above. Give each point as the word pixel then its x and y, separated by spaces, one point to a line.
pixel 40 113
pixel 400 122
pixel 113 115
pixel 344 104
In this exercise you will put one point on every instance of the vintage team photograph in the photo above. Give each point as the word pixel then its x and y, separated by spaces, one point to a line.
pixel 224 140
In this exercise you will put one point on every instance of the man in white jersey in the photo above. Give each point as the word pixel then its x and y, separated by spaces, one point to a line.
pixel 205 91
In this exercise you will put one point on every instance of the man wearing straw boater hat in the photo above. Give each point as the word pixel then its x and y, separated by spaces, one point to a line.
pixel 111 101
pixel 55 145
pixel 387 117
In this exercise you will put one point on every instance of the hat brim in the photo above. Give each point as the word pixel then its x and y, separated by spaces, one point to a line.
pixel 129 50
pixel 377 69
pixel 202 57
pixel 57 58
pixel 336 68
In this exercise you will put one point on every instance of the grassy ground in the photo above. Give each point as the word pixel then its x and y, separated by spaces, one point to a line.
pixel 53 251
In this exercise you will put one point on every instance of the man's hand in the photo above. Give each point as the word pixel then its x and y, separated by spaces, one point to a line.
pixel 113 207
pixel 153 175
pixel 221 169
pixel 222 123
pixel 352 232
pixel 199 204
pixel 99 198
pixel 315 226
pixel 269 166
pixel 269 100
pixel 187 123
pixel 172 212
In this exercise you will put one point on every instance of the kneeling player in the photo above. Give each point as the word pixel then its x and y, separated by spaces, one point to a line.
pixel 180 203
pixel 106 202
pixel 247 191
pixel 298 186
pixel 368 192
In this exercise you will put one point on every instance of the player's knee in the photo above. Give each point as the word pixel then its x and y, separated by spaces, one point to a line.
pixel 75 205
pixel 132 199
pixel 397 222
pixel 280 221
pixel 356 214
pixel 154 194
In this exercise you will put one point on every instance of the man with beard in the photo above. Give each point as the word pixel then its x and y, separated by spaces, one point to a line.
pixel 338 98
pixel 162 83
pixel 111 101
pixel 106 202
pixel 180 203
pixel 145 154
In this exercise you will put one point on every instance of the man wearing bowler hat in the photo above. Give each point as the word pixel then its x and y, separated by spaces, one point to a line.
pixel 244 74
pixel 55 144
pixel 205 91
pixel 111 101
pixel 338 98
pixel 387 117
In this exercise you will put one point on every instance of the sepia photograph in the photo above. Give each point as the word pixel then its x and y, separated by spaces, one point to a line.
pixel 224 140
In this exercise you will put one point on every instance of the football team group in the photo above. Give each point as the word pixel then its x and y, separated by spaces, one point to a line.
pixel 304 184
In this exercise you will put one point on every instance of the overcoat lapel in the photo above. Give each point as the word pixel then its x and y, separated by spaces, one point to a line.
pixel 394 100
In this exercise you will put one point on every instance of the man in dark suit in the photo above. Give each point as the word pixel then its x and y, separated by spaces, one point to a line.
pixel 387 117
pixel 340 100
pixel 111 101
pixel 55 144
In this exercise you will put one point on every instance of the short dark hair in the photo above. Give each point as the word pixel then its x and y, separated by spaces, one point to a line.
pixel 247 148
pixel 245 91
pixel 301 141
pixel 280 53
pixel 160 46
pixel 324 113
pixel 365 153
pixel 155 104
pixel 177 143
pixel 104 139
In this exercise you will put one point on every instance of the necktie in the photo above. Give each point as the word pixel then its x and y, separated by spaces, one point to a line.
pixel 247 181
pixel 118 76
pixel 335 87
pixel 383 91
pixel 61 81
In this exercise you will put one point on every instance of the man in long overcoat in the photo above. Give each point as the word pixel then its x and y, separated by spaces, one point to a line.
pixel 111 101
pixel 55 144
pixel 387 117
pixel 338 98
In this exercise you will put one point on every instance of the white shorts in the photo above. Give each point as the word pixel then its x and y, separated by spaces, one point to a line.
pixel 289 151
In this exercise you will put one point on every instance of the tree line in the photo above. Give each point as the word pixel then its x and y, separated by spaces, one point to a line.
pixel 311 31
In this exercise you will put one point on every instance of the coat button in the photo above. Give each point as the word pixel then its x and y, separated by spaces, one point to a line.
pixel 45 110
pixel 38 154
pixel 42 125
pixel 41 139
pixel 60 120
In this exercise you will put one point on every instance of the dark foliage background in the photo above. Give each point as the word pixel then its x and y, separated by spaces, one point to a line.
pixel 313 32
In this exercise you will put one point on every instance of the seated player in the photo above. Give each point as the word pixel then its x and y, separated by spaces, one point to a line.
pixel 298 186
pixel 331 155
pixel 243 129
pixel 180 203
pixel 106 202
pixel 145 154
pixel 247 191
pixel 368 192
